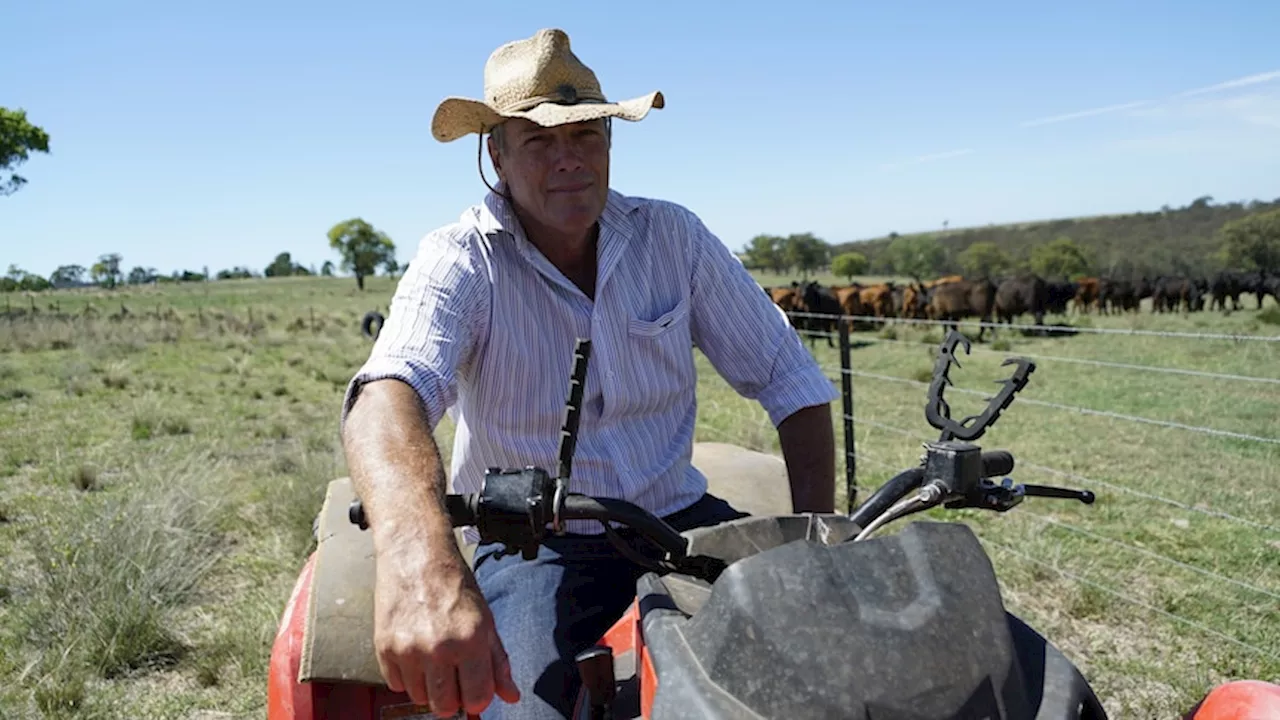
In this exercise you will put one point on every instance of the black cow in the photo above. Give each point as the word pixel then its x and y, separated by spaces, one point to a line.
pixel 1018 295
pixel 1058 295
pixel 1175 293
pixel 1229 284
pixel 1116 294
pixel 821 301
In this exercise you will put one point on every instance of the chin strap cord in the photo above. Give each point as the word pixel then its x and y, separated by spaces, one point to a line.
pixel 480 167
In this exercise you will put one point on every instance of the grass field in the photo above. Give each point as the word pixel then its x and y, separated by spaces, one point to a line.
pixel 159 473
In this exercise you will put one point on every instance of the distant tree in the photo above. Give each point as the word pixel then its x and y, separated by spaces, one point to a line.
pixel 108 270
pixel 984 259
pixel 327 268
pixel 391 266
pixel 236 273
pixel 19 280
pixel 299 269
pixel 140 276
pixel 805 252
pixel 18 139
pixel 764 252
pixel 363 247
pixel 1253 241
pixel 1060 258
pixel 67 275
pixel 918 256
pixel 282 266
pixel 848 264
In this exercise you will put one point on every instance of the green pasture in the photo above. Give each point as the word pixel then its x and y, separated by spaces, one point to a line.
pixel 164 454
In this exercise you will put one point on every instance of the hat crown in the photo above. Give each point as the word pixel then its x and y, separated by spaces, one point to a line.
pixel 542 68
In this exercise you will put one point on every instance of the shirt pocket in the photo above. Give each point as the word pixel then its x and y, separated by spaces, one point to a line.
pixel 667 323
pixel 659 376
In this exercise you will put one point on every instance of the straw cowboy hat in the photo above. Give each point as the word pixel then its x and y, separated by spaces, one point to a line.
pixel 538 79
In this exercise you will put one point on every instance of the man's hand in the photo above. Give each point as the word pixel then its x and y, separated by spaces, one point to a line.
pixel 434 635
pixel 809 449
pixel 435 640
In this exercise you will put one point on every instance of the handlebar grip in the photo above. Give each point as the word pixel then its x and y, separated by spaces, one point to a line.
pixel 461 509
pixel 997 462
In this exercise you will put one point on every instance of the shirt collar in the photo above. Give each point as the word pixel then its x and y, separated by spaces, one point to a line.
pixel 495 217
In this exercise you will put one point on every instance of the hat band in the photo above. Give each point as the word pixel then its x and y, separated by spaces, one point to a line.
pixel 566 95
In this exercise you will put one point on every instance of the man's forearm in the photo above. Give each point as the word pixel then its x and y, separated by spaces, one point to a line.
pixel 808 447
pixel 395 467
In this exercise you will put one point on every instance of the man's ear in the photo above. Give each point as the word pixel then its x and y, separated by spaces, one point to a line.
pixel 495 157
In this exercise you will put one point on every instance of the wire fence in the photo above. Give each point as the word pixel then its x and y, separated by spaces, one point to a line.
pixel 1047 330
pixel 1249 523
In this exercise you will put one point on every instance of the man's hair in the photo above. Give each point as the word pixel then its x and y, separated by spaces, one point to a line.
pixel 499 137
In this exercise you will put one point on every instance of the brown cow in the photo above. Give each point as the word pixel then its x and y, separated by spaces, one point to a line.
pixel 878 299
pixel 954 301
pixel 943 281
pixel 915 298
pixel 850 299
pixel 787 298
pixel 1086 295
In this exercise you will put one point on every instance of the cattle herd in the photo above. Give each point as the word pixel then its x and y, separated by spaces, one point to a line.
pixel 1004 299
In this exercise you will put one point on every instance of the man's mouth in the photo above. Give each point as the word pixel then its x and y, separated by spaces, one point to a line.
pixel 576 187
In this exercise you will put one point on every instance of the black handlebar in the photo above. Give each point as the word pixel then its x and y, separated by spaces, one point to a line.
pixel 516 505
pixel 996 462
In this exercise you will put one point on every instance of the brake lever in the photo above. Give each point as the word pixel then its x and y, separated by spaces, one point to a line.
pixel 1005 496
pixel 938 412
pixel 1085 496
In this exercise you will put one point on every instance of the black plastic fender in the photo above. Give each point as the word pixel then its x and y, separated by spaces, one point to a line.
pixel 908 626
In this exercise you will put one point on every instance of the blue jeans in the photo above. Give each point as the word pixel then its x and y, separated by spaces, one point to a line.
pixel 549 609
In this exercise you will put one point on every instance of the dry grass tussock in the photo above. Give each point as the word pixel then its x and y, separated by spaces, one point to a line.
pixel 108 574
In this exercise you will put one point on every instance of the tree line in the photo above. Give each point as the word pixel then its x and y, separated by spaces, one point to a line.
pixel 1197 239
pixel 363 250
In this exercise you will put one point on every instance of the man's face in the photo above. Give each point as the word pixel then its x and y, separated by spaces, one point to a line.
pixel 558 176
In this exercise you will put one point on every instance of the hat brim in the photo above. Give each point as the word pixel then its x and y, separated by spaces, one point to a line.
pixel 457 117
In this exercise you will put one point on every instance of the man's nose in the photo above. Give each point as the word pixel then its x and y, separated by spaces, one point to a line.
pixel 566 155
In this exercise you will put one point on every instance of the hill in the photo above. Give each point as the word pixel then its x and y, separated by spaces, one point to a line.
pixel 1168 240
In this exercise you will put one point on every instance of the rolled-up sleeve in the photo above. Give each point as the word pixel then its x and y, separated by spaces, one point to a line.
pixel 439 314
pixel 746 336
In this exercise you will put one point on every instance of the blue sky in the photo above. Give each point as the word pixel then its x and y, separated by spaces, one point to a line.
pixel 219 134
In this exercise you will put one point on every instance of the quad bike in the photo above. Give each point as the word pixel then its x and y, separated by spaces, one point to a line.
pixel 770 616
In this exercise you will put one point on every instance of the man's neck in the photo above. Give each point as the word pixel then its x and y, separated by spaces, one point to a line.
pixel 572 254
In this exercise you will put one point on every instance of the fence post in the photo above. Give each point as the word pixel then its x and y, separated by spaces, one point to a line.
pixel 846 396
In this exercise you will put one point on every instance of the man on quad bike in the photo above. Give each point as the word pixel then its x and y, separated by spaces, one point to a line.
pixel 481 327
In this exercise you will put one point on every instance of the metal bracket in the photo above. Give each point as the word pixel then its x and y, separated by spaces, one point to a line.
pixel 938 412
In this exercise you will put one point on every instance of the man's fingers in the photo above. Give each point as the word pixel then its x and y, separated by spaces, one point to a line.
pixel 504 685
pixel 442 686
pixel 391 673
pixel 415 683
pixel 475 680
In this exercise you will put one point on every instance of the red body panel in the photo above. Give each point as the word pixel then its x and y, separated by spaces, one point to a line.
pixel 626 636
pixel 1239 700
pixel 288 699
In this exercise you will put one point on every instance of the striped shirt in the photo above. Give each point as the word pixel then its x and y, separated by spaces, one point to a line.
pixel 483 327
